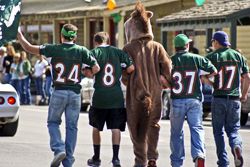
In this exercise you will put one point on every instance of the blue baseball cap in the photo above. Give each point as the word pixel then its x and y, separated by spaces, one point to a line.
pixel 222 38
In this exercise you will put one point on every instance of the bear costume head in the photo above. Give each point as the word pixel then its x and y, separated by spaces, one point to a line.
pixel 138 25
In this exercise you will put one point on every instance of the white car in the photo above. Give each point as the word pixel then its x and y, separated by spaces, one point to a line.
pixel 88 90
pixel 9 110
pixel 86 93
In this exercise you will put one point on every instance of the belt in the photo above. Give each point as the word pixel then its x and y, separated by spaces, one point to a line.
pixel 227 97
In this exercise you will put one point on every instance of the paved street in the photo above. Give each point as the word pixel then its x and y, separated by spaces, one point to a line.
pixel 30 146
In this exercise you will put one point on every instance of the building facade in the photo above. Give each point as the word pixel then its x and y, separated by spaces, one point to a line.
pixel 42 20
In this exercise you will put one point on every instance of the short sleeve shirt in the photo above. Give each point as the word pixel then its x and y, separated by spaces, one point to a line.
pixel 108 92
pixel 230 65
pixel 66 61
pixel 186 71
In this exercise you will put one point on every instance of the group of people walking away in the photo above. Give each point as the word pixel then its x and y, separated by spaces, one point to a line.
pixel 145 68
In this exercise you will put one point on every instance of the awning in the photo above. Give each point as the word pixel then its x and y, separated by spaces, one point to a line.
pixel 213 14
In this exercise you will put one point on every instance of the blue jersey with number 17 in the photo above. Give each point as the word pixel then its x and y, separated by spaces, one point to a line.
pixel 108 93
pixel 186 72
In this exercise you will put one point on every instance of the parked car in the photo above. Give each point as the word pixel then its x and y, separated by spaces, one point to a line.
pixel 166 101
pixel 87 93
pixel 245 109
pixel 9 110
pixel 207 94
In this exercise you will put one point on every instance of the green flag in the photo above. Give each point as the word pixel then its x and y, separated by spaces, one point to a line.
pixel 116 17
pixel 9 19
pixel 199 2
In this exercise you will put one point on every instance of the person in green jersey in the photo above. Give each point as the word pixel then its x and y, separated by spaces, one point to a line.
pixel 187 97
pixel 108 102
pixel 226 104
pixel 67 59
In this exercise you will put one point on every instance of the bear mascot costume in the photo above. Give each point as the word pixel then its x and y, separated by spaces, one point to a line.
pixel 144 85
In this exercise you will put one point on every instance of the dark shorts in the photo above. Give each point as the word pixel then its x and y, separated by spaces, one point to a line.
pixel 114 118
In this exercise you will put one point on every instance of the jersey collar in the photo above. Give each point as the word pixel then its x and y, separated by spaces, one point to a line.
pixel 103 45
pixel 71 42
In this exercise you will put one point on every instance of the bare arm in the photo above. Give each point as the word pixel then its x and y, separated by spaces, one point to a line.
pixel 95 69
pixel 130 69
pixel 245 86
pixel 33 49
pixel 206 78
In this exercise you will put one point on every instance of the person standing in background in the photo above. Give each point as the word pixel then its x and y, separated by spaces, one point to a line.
pixel 2 56
pixel 24 70
pixel 227 97
pixel 7 63
pixel 48 83
pixel 14 81
pixel 39 77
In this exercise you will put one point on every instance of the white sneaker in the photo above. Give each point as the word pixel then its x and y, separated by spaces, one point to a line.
pixel 58 158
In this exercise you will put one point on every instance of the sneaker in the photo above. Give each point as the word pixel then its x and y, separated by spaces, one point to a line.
pixel 58 158
pixel 116 163
pixel 199 162
pixel 94 162
pixel 152 163
pixel 238 159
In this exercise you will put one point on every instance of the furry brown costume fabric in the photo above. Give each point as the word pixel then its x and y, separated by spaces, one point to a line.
pixel 144 87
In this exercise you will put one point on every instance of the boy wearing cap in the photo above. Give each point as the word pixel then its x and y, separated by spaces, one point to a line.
pixel 66 60
pixel 226 104
pixel 186 94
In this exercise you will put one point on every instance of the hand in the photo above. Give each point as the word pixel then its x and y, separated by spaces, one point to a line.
pixel 21 74
pixel 19 30
pixel 243 99
pixel 205 80
pixel 7 62
pixel 164 82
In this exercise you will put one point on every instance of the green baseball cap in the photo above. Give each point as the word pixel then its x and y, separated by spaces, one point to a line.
pixel 181 40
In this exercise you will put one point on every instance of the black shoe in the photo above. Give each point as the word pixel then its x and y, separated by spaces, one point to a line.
pixel 94 162
pixel 152 163
pixel 238 159
pixel 116 163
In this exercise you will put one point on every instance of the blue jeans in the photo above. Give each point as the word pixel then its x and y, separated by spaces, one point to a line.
pixel 25 90
pixel 6 78
pixel 48 87
pixel 67 102
pixel 15 84
pixel 225 116
pixel 192 110
pixel 40 86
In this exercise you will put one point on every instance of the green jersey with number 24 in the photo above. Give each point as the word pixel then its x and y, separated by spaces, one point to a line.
pixel 186 72
pixel 108 92
pixel 67 60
